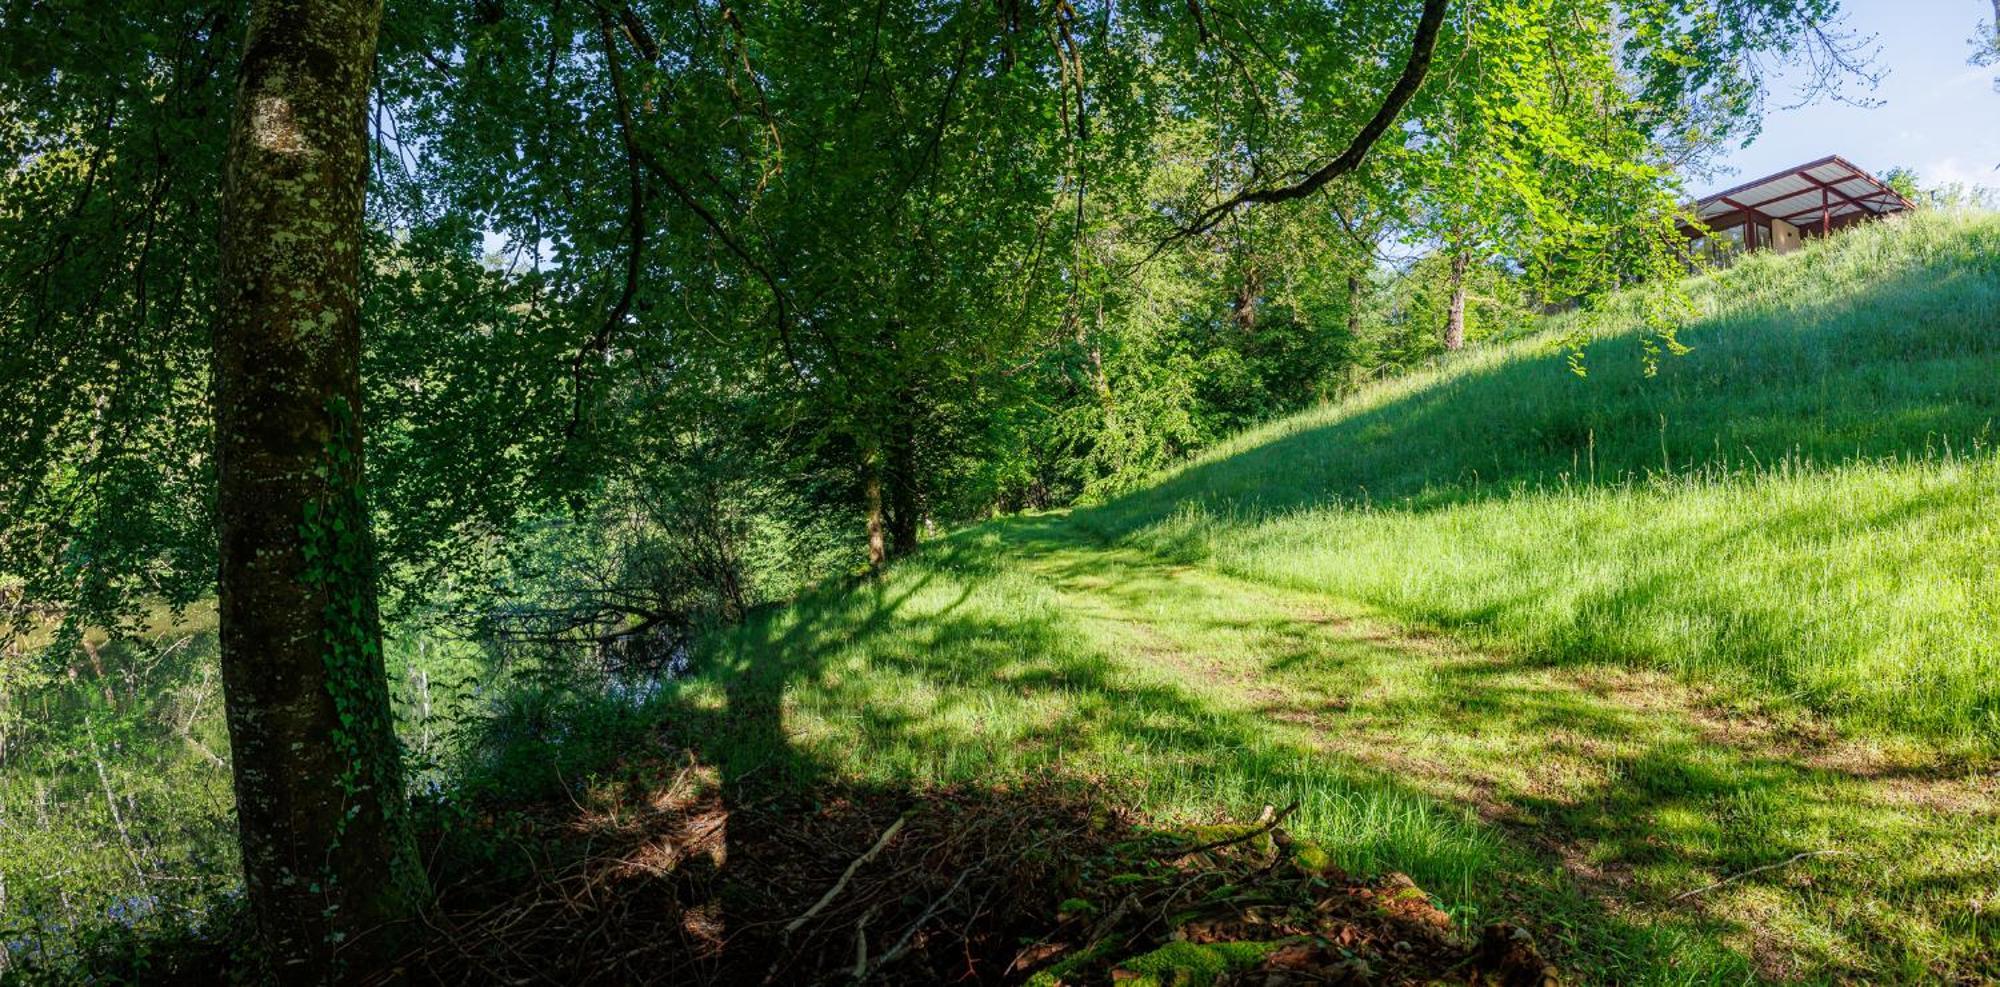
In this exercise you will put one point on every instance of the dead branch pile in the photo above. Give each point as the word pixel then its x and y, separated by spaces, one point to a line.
pixel 660 879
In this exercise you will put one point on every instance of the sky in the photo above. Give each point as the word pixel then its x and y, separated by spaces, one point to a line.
pixel 1937 114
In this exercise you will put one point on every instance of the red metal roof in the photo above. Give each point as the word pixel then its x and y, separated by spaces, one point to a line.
pixel 1831 187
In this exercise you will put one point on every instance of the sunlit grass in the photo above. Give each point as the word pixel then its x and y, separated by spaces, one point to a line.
pixel 1580 800
pixel 1870 592
pixel 1699 622
pixel 949 674
pixel 1803 506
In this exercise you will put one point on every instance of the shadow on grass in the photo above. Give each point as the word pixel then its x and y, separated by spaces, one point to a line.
pixel 1015 751
pixel 1630 787
pixel 1865 869
pixel 974 686
pixel 938 677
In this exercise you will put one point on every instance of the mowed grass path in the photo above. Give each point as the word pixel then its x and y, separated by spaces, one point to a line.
pixel 1584 801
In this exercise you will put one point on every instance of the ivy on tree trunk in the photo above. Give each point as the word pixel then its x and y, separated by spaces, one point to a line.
pixel 328 860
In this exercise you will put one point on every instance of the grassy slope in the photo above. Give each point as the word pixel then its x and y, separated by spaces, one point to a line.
pixel 1805 541
pixel 1803 506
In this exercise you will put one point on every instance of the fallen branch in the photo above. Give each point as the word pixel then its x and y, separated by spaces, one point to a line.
pixel 1795 858
pixel 848 875
pixel 861 943
pixel 1269 822
pixel 904 943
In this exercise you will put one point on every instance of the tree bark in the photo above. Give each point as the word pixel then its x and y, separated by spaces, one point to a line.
pixel 1243 307
pixel 329 865
pixel 1454 320
pixel 904 512
pixel 1354 306
pixel 871 492
pixel 1423 45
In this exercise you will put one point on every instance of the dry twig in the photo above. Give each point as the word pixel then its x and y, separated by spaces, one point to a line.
pixel 848 875
pixel 1787 862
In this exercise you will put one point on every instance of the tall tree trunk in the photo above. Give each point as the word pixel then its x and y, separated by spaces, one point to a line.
pixel 1092 343
pixel 1354 306
pixel 329 864
pixel 871 493
pixel 901 479
pixel 1454 321
pixel 1243 307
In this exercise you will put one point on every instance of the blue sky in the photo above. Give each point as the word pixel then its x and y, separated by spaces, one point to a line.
pixel 1937 114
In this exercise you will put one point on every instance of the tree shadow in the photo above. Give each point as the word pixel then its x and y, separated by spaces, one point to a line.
pixel 1645 796
pixel 957 695
pixel 1646 791
pixel 1192 751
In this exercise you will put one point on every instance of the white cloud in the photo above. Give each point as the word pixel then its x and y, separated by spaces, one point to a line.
pixel 1954 169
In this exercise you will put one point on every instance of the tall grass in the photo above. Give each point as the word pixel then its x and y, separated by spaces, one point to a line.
pixel 1804 506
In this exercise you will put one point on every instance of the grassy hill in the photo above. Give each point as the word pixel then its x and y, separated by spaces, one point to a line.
pixel 1694 672
pixel 1803 506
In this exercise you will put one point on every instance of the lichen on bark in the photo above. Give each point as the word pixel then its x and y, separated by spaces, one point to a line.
pixel 327 854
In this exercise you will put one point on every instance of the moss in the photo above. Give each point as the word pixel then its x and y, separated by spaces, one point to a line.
pixel 1053 976
pixel 1258 841
pixel 1076 906
pixel 1311 858
pixel 1187 964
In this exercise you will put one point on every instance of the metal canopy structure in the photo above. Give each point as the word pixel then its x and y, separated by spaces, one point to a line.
pixel 1813 195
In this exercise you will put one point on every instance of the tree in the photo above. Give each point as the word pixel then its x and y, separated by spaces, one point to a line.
pixel 327 854
pixel 1985 43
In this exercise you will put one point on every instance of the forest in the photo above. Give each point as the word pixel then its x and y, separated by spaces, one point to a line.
pixel 997 491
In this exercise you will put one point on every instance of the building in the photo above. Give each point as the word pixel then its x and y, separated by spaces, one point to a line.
pixel 1780 211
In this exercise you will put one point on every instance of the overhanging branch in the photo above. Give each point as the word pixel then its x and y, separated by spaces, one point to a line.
pixel 1399 96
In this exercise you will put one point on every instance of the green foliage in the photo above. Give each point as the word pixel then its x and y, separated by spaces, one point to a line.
pixel 110 134
pixel 117 802
pixel 931 244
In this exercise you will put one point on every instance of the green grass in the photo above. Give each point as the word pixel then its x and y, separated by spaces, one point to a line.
pixel 1803 506
pixel 1567 651
pixel 1579 800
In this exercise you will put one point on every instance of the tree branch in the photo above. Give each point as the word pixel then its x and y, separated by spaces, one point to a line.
pixel 639 155
pixel 1412 78
pixel 600 341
